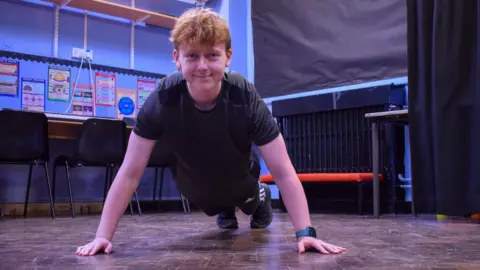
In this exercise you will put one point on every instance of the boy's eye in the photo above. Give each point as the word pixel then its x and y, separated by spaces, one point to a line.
pixel 194 55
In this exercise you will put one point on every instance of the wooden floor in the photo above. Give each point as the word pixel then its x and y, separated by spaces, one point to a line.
pixel 178 241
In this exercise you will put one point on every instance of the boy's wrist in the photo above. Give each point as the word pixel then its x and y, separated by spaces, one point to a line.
pixel 101 236
pixel 302 224
pixel 306 232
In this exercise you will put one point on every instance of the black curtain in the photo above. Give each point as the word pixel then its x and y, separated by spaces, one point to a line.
pixel 444 104
pixel 308 45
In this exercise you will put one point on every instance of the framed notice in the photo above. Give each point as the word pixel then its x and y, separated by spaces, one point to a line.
pixel 125 103
pixel 82 103
pixel 59 84
pixel 144 88
pixel 33 94
pixel 105 85
pixel 9 78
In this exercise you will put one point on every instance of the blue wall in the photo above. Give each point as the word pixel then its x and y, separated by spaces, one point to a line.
pixel 110 41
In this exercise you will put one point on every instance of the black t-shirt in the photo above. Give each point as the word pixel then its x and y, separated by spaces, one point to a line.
pixel 212 148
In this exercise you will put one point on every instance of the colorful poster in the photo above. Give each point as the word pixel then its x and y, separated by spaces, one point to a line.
pixel 105 85
pixel 144 88
pixel 33 94
pixel 82 103
pixel 59 84
pixel 125 103
pixel 9 78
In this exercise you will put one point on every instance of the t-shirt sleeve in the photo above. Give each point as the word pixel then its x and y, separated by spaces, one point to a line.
pixel 149 121
pixel 264 128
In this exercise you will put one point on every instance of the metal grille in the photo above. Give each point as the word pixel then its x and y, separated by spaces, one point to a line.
pixel 332 141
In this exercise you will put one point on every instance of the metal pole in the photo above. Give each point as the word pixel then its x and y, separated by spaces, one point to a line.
pixel 55 31
pixel 85 30
pixel 376 191
pixel 132 42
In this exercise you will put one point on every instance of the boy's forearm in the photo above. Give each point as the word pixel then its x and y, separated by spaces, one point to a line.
pixel 117 201
pixel 295 201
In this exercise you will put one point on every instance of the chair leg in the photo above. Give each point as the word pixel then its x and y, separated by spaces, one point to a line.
pixel 155 185
pixel 360 198
pixel 161 188
pixel 54 181
pixel 105 187
pixel 414 212
pixel 70 189
pixel 131 207
pixel 188 204
pixel 183 204
pixel 138 203
pixel 52 208
pixel 28 190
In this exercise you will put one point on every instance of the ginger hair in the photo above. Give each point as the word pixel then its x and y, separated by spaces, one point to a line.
pixel 200 26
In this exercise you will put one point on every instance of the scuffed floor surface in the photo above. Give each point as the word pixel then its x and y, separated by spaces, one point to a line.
pixel 178 241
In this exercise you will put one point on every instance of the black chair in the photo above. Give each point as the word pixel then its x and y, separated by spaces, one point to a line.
pixel 101 143
pixel 24 141
pixel 161 158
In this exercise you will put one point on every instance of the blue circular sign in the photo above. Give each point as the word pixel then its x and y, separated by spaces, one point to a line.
pixel 126 106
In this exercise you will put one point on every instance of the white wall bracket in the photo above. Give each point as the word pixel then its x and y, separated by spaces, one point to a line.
pixel 64 3
pixel 142 19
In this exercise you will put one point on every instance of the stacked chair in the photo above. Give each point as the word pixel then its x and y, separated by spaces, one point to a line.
pixel 162 158
pixel 24 141
pixel 102 143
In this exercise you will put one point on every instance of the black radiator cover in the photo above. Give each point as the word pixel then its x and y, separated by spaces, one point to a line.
pixel 329 133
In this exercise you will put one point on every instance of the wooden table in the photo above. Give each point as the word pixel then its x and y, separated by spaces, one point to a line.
pixel 389 117
pixel 67 126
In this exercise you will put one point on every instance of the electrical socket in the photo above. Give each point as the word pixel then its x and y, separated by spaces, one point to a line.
pixel 89 55
pixel 79 53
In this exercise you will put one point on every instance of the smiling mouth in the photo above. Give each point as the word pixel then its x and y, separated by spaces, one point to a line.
pixel 203 77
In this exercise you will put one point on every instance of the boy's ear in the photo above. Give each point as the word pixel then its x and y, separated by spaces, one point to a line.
pixel 175 59
pixel 229 57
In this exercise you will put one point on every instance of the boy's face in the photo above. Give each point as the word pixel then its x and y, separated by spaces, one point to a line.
pixel 202 66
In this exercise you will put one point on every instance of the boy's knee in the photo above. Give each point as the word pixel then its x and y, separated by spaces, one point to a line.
pixel 250 207
pixel 248 211
pixel 211 211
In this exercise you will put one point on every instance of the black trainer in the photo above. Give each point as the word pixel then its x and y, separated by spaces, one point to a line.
pixel 227 220
pixel 262 217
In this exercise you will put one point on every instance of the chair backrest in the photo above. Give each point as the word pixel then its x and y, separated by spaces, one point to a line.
pixel 102 141
pixel 162 154
pixel 23 136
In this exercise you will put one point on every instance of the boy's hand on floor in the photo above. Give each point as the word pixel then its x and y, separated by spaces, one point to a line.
pixel 308 243
pixel 98 244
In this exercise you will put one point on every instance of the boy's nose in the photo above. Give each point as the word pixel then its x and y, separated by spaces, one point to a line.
pixel 202 62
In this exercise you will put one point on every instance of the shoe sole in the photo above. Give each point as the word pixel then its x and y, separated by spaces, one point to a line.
pixel 255 225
